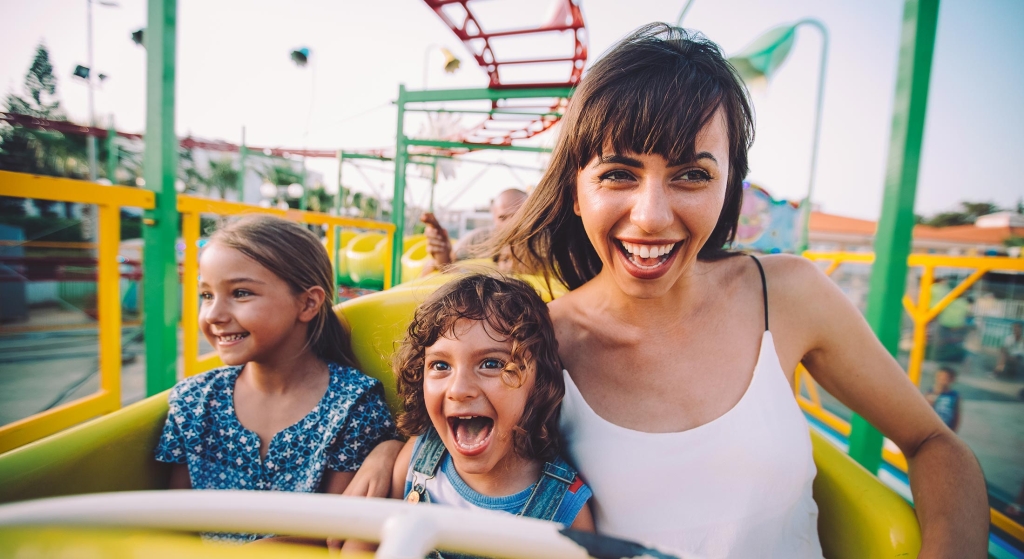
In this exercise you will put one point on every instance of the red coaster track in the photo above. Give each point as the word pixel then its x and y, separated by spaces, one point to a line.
pixel 465 24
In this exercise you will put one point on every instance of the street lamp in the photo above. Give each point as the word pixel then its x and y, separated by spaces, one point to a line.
pixel 451 62
pixel 760 60
pixel 90 139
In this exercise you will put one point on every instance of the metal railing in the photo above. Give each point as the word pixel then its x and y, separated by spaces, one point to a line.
pixel 921 313
pixel 109 200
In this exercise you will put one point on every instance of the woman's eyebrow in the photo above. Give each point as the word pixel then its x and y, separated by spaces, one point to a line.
pixel 622 160
pixel 697 157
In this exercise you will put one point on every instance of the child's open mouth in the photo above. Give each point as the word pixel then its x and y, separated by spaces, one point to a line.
pixel 472 433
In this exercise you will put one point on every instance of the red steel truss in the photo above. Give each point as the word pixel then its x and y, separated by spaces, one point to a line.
pixel 502 129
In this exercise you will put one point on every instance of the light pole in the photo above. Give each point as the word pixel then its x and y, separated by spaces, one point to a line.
pixel 760 60
pixel 90 140
pixel 451 62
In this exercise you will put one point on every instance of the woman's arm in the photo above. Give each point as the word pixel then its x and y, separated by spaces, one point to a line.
pixel 373 479
pixel 822 328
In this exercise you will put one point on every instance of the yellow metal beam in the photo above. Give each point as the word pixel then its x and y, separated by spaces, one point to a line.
pixel 57 419
pixel 109 302
pixel 190 292
pixel 22 185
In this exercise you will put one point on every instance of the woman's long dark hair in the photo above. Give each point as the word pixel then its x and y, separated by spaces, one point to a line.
pixel 295 255
pixel 650 94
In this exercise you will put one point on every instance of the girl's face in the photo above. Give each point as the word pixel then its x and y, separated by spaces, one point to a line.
pixel 646 217
pixel 247 312
pixel 468 402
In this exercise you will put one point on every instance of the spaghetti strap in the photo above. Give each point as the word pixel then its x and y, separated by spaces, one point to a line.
pixel 764 290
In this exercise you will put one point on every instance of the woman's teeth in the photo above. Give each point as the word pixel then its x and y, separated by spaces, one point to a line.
pixel 637 251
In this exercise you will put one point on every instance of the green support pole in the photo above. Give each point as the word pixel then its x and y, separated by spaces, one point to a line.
pixel 242 153
pixel 160 268
pixel 111 152
pixel 433 183
pixel 895 228
pixel 398 200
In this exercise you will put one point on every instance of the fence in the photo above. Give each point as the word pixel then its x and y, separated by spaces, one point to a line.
pixel 108 278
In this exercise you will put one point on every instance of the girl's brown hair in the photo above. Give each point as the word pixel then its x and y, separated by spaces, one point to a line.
pixel 650 94
pixel 510 308
pixel 295 255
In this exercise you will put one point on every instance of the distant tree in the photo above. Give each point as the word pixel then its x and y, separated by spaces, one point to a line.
pixel 223 177
pixel 27 150
pixel 969 213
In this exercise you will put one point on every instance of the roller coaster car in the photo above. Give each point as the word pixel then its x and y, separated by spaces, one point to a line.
pixel 859 516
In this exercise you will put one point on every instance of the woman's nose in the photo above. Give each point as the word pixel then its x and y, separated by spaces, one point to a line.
pixel 463 385
pixel 651 209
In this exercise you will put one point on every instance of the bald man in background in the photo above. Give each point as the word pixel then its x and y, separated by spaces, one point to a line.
pixel 503 207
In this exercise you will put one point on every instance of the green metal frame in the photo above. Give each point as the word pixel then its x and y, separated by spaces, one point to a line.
pixel 160 267
pixel 892 241
pixel 402 144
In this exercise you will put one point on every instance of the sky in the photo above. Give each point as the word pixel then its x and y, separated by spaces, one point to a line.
pixel 234 71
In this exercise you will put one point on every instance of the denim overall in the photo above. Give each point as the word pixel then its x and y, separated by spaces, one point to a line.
pixel 543 503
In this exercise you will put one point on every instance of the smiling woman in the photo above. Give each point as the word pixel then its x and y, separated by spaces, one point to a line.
pixel 679 408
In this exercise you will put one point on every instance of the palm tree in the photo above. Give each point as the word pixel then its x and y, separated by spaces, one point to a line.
pixel 223 177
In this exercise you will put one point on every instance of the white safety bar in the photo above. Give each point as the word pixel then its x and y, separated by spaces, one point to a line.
pixel 404 531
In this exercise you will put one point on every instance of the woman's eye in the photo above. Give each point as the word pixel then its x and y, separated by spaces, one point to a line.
pixel 617 175
pixel 695 175
pixel 493 364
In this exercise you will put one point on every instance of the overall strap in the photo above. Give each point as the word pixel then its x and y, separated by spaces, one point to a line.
pixel 550 490
pixel 428 458
pixel 764 290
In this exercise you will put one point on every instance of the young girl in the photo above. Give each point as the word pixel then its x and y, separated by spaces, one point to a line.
pixel 480 380
pixel 289 412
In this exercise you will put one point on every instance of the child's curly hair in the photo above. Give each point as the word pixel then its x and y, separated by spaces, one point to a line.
pixel 511 308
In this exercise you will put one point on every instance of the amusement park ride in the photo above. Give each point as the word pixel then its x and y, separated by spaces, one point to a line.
pixel 102 485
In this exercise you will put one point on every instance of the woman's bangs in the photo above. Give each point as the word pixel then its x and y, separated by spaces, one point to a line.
pixel 659 114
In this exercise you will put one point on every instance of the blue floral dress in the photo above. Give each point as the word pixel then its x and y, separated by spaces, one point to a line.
pixel 203 432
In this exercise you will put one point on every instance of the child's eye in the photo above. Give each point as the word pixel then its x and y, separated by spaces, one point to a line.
pixel 493 364
pixel 439 366
pixel 206 296
pixel 242 293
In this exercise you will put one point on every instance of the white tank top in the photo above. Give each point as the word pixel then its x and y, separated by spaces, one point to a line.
pixel 737 487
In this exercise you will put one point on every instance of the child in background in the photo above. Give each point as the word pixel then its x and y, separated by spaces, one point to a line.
pixel 480 380
pixel 944 399
pixel 289 412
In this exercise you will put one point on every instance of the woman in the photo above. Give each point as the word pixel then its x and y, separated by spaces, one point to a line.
pixel 680 355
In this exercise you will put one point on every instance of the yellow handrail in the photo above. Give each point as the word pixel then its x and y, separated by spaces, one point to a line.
pixel 191 207
pixel 110 200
